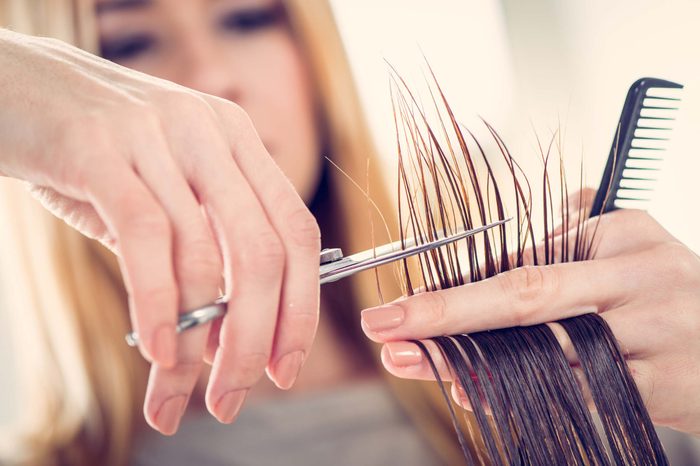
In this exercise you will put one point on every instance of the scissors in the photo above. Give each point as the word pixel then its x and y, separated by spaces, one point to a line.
pixel 334 266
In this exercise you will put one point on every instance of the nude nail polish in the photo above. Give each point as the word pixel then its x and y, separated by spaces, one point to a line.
pixel 383 318
pixel 229 405
pixel 287 369
pixel 403 353
pixel 168 417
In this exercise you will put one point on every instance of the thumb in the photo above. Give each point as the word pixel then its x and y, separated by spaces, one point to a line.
pixel 79 215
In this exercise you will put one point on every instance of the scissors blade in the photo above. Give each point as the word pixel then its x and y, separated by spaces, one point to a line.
pixel 391 252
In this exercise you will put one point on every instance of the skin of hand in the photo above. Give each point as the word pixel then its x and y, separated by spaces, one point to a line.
pixel 642 281
pixel 163 175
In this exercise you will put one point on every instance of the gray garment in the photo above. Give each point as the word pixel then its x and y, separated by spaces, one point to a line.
pixel 359 425
pixel 681 449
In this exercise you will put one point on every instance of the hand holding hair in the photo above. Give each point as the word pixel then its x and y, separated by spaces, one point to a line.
pixel 642 281
pixel 133 161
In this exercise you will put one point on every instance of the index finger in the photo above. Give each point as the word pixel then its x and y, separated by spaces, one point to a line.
pixel 523 296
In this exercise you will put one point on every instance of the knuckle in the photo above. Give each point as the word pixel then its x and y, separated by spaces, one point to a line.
pixel 264 253
pixel 195 108
pixel 527 286
pixel 636 218
pixel 236 115
pixel 299 224
pixel 432 305
pixel 201 263
pixel 232 114
pixel 303 228
pixel 682 265
pixel 270 255
pixel 175 97
pixel 192 103
pixel 144 222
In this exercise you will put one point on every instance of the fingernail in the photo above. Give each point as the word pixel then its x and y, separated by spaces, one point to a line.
pixel 462 399
pixel 229 404
pixel 164 341
pixel 287 369
pixel 168 417
pixel 383 318
pixel 403 353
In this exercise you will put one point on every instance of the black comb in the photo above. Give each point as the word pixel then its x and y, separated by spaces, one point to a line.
pixel 638 143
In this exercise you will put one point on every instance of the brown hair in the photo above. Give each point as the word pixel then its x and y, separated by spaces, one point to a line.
pixel 537 410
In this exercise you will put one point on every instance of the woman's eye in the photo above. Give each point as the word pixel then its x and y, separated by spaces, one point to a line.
pixel 248 20
pixel 126 48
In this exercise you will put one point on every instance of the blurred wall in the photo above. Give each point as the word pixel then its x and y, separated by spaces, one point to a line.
pixel 576 60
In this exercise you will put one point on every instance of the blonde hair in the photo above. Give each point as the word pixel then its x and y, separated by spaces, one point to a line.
pixel 82 387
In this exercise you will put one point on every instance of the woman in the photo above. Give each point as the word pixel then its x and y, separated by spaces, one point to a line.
pixel 285 69
pixel 83 349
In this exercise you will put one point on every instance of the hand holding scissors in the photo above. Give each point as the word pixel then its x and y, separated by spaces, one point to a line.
pixel 334 266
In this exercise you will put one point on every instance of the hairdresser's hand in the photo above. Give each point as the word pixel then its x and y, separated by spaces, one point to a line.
pixel 643 282
pixel 133 161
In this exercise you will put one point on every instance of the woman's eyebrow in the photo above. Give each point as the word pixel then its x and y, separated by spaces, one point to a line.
pixel 112 5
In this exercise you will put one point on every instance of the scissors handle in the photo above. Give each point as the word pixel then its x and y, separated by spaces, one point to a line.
pixel 190 319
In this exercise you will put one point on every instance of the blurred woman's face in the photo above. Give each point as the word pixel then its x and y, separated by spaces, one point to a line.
pixel 241 50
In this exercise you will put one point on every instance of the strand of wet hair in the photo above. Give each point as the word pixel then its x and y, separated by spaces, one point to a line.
pixel 614 392
pixel 528 406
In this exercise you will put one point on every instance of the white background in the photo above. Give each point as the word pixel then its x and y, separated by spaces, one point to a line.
pixel 537 63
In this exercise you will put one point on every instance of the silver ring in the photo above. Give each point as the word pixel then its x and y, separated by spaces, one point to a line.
pixel 190 319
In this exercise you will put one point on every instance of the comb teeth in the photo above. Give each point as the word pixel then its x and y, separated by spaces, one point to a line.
pixel 647 118
pixel 645 153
